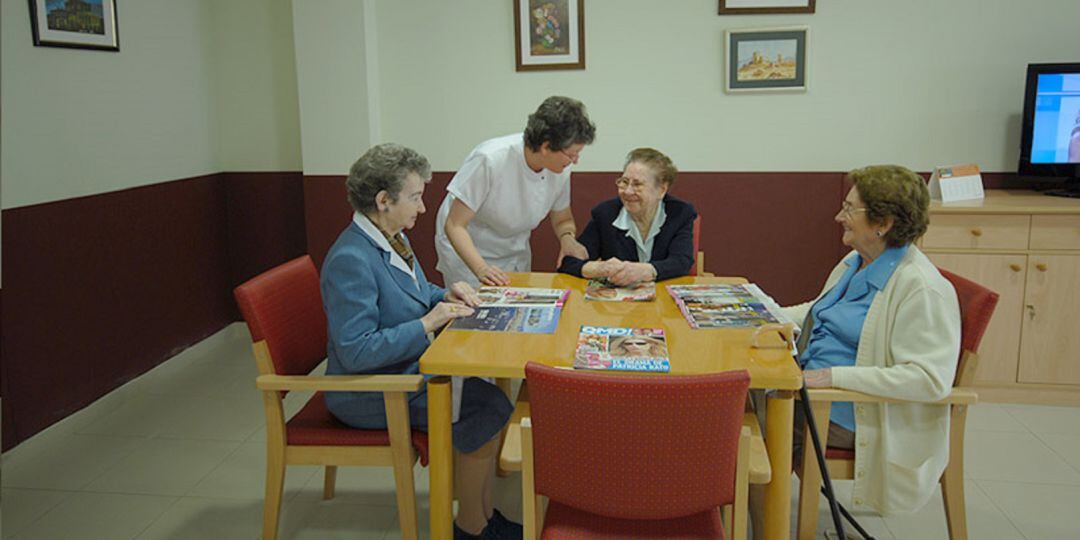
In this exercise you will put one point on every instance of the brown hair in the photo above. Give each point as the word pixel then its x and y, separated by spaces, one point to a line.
pixel 655 160
pixel 896 192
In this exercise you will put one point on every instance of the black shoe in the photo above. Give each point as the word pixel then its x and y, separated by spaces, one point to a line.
pixel 500 528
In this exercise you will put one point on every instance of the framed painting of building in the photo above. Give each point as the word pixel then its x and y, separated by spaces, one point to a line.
pixel 80 24
pixel 766 59
pixel 549 34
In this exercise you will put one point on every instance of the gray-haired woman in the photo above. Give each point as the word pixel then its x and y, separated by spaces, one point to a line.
pixel 381 312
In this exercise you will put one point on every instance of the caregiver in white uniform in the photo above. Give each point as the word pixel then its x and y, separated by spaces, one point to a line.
pixel 503 191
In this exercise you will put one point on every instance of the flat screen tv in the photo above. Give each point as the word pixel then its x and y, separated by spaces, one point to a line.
pixel 1050 140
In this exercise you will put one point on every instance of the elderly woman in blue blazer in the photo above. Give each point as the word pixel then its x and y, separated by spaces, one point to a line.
pixel 643 234
pixel 381 314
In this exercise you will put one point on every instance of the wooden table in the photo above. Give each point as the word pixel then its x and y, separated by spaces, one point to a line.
pixel 504 355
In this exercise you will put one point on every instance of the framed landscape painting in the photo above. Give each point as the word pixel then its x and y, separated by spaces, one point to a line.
pixel 549 34
pixel 81 24
pixel 766 59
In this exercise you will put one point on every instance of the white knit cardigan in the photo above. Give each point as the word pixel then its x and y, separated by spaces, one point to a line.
pixel 908 349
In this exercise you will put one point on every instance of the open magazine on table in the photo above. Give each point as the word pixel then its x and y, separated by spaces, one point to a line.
pixel 726 306
pixel 515 309
pixel 601 290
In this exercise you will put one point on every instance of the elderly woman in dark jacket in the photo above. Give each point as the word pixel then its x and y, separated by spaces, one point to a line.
pixel 643 234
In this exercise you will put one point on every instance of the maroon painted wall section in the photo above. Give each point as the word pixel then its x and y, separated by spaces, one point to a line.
pixel 100 289
pixel 774 228
pixel 265 222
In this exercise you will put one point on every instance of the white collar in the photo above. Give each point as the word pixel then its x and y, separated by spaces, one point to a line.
pixel 376 235
pixel 625 222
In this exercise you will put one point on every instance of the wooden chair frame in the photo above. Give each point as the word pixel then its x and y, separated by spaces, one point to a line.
pixel 952 480
pixel 279 454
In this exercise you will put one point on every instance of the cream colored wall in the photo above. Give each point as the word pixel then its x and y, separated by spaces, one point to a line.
pixel 198 87
pixel 79 122
pixel 256 110
pixel 333 85
pixel 916 82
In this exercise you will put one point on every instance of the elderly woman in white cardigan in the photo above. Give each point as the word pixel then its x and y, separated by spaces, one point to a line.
pixel 886 323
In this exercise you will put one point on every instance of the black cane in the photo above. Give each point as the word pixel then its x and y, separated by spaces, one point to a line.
pixel 826 482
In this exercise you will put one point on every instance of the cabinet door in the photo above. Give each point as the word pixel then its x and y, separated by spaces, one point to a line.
pixel 1003 274
pixel 1050 346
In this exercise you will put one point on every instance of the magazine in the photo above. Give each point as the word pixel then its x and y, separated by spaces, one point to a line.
pixel 622 349
pixel 601 290
pixel 522 296
pixel 515 309
pixel 725 306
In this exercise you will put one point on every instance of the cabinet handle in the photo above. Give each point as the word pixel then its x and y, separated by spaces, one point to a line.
pixel 976 232
pixel 1040 267
pixel 1031 311
pixel 1015 267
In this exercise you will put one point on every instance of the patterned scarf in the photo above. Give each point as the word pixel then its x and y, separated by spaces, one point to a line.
pixel 397 242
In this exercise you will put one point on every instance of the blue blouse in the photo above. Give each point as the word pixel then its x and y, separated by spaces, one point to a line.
pixel 839 317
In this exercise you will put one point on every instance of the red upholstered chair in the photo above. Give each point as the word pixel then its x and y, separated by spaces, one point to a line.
pixel 977 305
pixel 631 456
pixel 283 309
pixel 698 268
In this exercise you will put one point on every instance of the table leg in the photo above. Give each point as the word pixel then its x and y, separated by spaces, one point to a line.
pixel 779 418
pixel 440 458
pixel 506 385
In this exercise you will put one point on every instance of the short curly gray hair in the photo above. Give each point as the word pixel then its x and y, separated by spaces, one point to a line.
pixel 383 167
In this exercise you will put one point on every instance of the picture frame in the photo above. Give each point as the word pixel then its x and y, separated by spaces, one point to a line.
pixel 760 7
pixel 75 24
pixel 766 59
pixel 549 34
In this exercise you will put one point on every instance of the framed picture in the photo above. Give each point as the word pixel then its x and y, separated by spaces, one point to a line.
pixel 80 24
pixel 753 7
pixel 549 34
pixel 766 59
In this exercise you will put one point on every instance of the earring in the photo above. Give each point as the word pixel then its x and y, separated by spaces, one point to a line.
pixel 879 233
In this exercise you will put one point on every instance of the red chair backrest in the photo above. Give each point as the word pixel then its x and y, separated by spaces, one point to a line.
pixel 697 241
pixel 636 447
pixel 284 307
pixel 977 305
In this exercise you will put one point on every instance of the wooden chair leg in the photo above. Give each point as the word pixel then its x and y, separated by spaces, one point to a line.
pixel 275 483
pixel 952 480
pixel 737 525
pixel 329 482
pixel 532 510
pixel 397 421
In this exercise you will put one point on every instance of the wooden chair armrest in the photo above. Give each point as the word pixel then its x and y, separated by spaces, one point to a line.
pixel 341 383
pixel 958 396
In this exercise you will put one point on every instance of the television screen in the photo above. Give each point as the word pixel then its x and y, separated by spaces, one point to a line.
pixel 1055 134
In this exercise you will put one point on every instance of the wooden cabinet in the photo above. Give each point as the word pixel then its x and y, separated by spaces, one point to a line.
pixel 1026 247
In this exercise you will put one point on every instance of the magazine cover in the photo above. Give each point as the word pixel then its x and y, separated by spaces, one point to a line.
pixel 522 296
pixel 622 349
pixel 524 319
pixel 601 290
pixel 725 306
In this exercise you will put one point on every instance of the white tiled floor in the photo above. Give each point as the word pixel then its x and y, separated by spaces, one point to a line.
pixel 179 454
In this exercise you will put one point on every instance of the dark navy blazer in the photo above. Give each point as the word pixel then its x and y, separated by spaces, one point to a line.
pixel 673 247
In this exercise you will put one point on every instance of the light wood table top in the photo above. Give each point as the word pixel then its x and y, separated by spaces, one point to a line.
pixel 504 354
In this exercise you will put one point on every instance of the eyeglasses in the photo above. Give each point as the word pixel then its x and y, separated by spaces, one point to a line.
pixel 632 185
pixel 635 343
pixel 849 211
pixel 573 157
